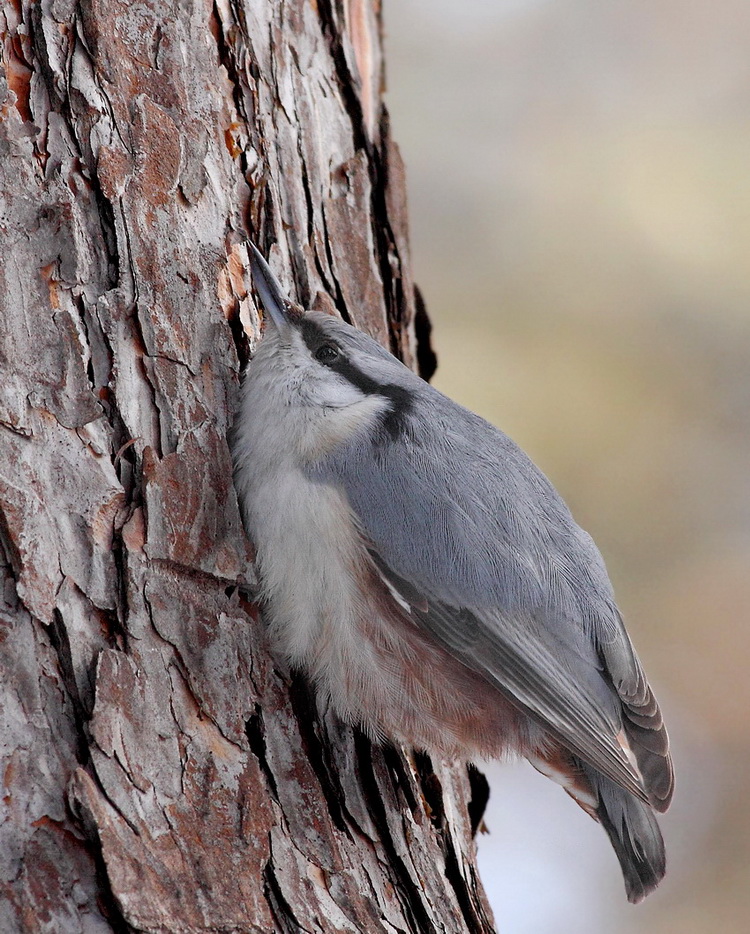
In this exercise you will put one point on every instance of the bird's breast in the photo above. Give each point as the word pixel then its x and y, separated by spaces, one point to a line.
pixel 330 614
pixel 308 550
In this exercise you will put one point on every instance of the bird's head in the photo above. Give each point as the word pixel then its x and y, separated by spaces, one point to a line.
pixel 319 361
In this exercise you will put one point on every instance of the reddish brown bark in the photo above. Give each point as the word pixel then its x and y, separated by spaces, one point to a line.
pixel 159 773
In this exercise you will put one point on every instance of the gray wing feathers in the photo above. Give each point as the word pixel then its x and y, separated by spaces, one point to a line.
pixel 470 527
pixel 530 675
pixel 643 721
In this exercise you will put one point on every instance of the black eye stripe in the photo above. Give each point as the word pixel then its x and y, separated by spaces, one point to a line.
pixel 399 397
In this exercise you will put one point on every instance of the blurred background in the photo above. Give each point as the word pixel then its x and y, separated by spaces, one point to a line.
pixel 579 180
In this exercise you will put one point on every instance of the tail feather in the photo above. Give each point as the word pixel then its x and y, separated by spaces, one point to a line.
pixel 633 832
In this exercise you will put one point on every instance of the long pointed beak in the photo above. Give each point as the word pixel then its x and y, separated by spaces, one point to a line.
pixel 278 307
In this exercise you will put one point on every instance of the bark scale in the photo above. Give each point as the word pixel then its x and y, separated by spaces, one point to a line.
pixel 158 772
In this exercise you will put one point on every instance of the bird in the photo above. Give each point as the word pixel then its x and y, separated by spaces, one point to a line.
pixel 420 570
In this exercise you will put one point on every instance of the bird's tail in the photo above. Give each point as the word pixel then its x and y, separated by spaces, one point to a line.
pixel 630 824
pixel 632 830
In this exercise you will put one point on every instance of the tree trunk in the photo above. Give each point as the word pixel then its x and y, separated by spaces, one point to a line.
pixel 159 773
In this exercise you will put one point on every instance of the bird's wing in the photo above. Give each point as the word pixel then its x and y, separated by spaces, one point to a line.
pixel 514 655
pixel 481 546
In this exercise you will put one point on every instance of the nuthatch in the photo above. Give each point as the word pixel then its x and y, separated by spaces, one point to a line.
pixel 422 571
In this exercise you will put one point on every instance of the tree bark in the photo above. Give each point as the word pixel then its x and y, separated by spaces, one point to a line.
pixel 159 773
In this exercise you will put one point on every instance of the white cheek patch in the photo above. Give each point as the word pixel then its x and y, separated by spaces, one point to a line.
pixel 335 424
pixel 323 408
pixel 317 385
pixel 335 391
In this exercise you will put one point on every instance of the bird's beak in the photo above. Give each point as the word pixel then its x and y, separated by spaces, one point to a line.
pixel 277 306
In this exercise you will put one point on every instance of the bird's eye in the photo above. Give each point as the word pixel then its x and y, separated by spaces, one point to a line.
pixel 326 353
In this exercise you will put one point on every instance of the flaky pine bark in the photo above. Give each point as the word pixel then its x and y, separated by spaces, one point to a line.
pixel 159 773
